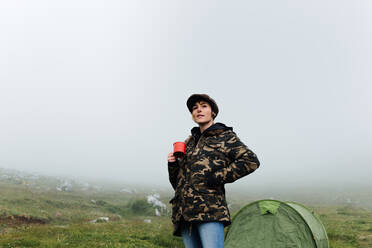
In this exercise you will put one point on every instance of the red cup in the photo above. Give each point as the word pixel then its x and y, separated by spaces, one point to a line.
pixel 179 149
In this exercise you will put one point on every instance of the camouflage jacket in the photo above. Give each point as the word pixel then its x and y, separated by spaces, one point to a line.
pixel 216 158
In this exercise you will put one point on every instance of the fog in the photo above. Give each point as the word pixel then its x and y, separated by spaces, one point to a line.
pixel 98 89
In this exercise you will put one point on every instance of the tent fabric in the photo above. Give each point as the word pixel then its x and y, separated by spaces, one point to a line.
pixel 275 224
pixel 268 206
pixel 314 223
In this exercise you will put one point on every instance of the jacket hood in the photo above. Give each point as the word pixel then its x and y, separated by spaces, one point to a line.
pixel 195 131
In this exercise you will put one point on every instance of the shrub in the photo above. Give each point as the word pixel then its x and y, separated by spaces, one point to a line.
pixel 141 207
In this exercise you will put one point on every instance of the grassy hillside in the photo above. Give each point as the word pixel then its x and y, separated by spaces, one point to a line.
pixel 49 212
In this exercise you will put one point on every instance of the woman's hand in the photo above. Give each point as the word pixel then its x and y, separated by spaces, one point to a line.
pixel 171 158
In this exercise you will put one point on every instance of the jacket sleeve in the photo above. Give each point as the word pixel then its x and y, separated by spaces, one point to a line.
pixel 173 170
pixel 244 162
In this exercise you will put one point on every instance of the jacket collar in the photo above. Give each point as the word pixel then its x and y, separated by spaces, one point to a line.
pixel 217 127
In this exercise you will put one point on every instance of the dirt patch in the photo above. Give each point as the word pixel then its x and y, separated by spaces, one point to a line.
pixel 21 220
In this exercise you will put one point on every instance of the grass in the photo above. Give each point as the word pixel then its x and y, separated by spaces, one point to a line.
pixel 124 233
pixel 50 218
pixel 347 226
pixel 30 218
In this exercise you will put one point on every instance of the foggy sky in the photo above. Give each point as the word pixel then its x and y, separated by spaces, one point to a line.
pixel 98 89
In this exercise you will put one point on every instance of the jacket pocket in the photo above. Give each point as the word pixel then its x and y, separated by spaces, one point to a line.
pixel 213 143
pixel 205 190
pixel 208 202
pixel 215 150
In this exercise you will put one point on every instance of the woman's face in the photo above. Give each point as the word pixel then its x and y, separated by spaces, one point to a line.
pixel 202 113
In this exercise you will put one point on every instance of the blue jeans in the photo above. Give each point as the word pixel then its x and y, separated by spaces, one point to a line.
pixel 203 235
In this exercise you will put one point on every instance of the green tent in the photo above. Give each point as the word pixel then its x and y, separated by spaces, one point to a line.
pixel 275 224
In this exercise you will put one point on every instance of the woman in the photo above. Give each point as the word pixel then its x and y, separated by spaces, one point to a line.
pixel 214 156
